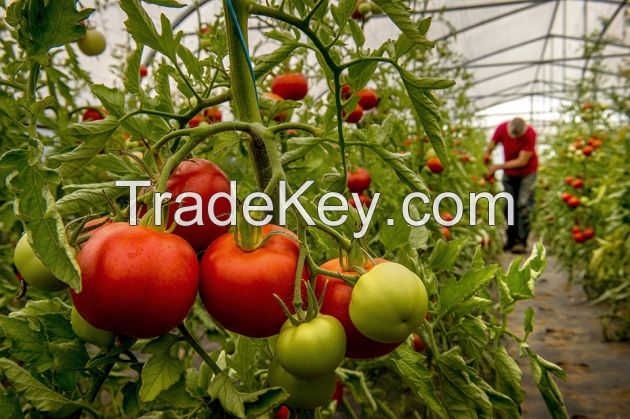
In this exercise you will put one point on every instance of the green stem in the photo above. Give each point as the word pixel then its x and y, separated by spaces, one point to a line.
pixel 297 126
pixel 98 383
pixel 192 341
pixel 13 84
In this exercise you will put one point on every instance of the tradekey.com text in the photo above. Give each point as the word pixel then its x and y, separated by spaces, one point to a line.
pixel 192 211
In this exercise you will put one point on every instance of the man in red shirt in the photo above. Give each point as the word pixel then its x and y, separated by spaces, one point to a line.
pixel 519 177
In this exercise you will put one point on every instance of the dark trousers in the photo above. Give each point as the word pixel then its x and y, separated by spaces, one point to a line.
pixel 522 190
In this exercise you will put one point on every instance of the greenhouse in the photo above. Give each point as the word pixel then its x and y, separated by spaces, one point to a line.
pixel 315 209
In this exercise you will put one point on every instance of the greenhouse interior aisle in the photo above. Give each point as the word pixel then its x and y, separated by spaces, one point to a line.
pixel 568 333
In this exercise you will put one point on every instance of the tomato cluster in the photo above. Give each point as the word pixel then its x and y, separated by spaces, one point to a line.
pixel 359 182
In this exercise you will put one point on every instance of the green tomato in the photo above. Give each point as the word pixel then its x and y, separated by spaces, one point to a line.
pixel 388 303
pixel 364 8
pixel 89 333
pixel 33 270
pixel 311 349
pixel 93 43
pixel 303 393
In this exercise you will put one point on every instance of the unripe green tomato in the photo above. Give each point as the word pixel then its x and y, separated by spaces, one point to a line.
pixel 93 43
pixel 583 200
pixel 205 43
pixel 388 303
pixel 89 333
pixel 364 8
pixel 303 393
pixel 375 9
pixel 311 349
pixel 33 270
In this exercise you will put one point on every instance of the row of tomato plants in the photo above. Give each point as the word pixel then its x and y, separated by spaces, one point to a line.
pixel 407 319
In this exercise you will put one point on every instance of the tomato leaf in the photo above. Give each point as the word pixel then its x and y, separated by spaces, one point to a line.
pixel 222 389
pixel 508 375
pixel 32 184
pixel 165 3
pixel 547 386
pixel 132 72
pixel 162 370
pixel 412 369
pixel 265 63
pixel 444 255
pixel 453 292
pixel 42 25
pixel 27 344
pixel 38 395
pixel 400 14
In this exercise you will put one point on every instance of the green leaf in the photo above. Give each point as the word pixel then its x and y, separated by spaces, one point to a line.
pixel 92 199
pixel 27 344
pixel 400 14
pixel 10 405
pixel 162 370
pixel 93 136
pixel 548 388
pixel 165 3
pixel 444 255
pixel 528 321
pixel 42 25
pixel 263 64
pixel 38 395
pixel 132 72
pixel 454 293
pixel 143 31
pixel 405 174
pixel 508 375
pixel 412 369
pixel 223 390
pixel 32 184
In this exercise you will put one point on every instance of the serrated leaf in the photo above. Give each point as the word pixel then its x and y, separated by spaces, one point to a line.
pixel 400 14
pixel 444 255
pixel 143 31
pixel 453 292
pixel 263 64
pixel 37 394
pixel 132 72
pixel 162 370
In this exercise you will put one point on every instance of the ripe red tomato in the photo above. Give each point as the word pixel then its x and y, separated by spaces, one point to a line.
pixel 136 281
pixel 144 71
pixel 575 229
pixel 359 180
pixel 418 344
pixel 195 121
pixel 346 92
pixel 569 180
pixel 595 142
pixel 465 158
pixel 579 237
pixel 283 413
pixel 446 233
pixel 587 150
pixel 336 302
pixel 206 179
pixel 435 165
pixel 292 86
pixel 577 183
pixel 355 116
pixel 338 394
pixel 368 99
pixel 282 116
pixel 589 233
pixel 237 287
pixel 408 142
pixel 447 216
pixel 92 114
pixel 566 196
pixel 363 198
pixel 574 202
pixel 213 115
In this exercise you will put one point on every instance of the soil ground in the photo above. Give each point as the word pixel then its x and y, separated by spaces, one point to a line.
pixel 568 332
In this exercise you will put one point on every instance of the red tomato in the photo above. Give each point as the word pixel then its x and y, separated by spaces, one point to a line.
pixel 465 158
pixel 359 180
pixel 595 142
pixel 195 121
pixel 336 302
pixel 136 281
pixel 363 198
pixel 355 116
pixel 435 165
pixel 579 237
pixel 338 394
pixel 237 287
pixel 569 180
pixel 566 196
pixel 575 229
pixel 346 92
pixel 368 99
pixel 212 114
pixel 283 413
pixel 574 202
pixel 447 216
pixel 144 71
pixel 587 150
pixel 446 233
pixel 205 178
pixel 282 116
pixel 92 114
pixel 577 183
pixel 408 142
pixel 589 233
pixel 418 344
pixel 292 86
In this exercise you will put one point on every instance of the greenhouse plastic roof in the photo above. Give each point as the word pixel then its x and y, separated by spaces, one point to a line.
pixel 525 56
